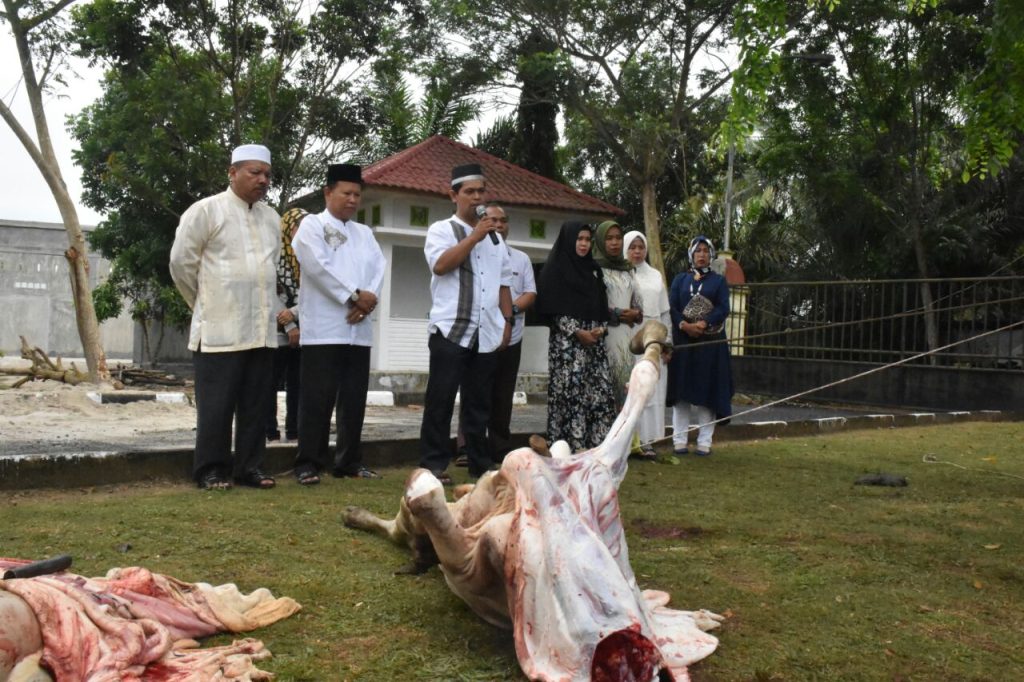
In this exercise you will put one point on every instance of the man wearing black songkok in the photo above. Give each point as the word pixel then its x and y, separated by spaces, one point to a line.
pixel 342 274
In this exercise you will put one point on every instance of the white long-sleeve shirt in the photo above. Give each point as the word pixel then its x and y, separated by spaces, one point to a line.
pixel 464 302
pixel 224 263
pixel 336 259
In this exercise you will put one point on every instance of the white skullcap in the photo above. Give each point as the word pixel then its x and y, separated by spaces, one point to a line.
pixel 250 152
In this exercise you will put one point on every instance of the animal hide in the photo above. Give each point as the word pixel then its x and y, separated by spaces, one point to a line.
pixel 539 547
pixel 133 624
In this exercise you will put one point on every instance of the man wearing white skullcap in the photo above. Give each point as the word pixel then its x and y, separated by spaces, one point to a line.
pixel 224 263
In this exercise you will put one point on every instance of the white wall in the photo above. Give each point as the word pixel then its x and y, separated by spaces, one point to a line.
pixel 402 317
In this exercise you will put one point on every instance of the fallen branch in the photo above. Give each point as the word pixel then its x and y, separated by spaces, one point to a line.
pixel 130 376
pixel 44 368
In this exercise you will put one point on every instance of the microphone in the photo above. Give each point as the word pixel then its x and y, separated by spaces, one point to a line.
pixel 481 211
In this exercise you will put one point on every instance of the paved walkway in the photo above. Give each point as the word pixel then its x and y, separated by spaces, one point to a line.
pixel 391 439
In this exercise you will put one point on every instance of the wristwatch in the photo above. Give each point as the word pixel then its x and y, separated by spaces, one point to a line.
pixel 355 296
pixel 515 309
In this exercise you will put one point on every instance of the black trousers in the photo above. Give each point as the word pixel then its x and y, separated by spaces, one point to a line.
pixel 499 426
pixel 454 369
pixel 232 386
pixel 332 375
pixel 286 369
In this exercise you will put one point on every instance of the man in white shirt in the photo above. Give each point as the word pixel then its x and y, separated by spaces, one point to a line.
pixel 470 319
pixel 342 273
pixel 524 294
pixel 224 263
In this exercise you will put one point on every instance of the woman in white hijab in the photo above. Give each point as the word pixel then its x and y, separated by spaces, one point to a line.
pixel 654 297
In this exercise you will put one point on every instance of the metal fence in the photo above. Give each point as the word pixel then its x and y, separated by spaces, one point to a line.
pixel 883 321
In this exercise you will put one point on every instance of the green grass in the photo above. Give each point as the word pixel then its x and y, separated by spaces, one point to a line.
pixel 821 579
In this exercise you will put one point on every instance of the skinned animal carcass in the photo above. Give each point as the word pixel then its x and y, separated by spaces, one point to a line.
pixel 539 547
pixel 131 624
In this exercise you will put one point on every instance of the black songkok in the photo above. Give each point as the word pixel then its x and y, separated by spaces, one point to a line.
pixel 344 172
pixel 466 172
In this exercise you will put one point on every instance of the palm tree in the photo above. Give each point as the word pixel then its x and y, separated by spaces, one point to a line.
pixel 445 108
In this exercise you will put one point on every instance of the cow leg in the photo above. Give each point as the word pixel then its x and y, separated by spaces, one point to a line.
pixel 426 502
pixel 363 519
pixel 614 449
pixel 403 530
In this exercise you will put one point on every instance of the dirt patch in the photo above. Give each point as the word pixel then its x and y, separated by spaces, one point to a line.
pixel 46 416
pixel 653 531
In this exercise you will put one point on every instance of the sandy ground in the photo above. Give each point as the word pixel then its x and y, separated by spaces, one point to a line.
pixel 45 415
pixel 50 417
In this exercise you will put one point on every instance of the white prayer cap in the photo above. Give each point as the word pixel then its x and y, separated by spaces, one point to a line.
pixel 250 152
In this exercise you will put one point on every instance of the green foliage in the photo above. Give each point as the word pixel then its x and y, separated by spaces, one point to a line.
pixel 535 140
pixel 153 304
pixel 498 139
pixel 186 82
pixel 993 101
pixel 855 164
pixel 989 90
pixel 445 107
pixel 626 76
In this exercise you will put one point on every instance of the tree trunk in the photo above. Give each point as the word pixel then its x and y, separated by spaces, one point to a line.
pixel 45 159
pixel 931 327
pixel 652 226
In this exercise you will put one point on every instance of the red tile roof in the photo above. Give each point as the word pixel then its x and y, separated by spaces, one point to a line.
pixel 426 167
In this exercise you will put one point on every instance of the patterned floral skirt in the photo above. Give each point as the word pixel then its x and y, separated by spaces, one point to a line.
pixel 581 405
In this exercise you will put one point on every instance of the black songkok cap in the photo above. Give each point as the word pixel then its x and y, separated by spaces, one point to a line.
pixel 344 172
pixel 465 172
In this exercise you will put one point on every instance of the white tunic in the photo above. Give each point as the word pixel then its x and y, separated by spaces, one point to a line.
pixel 224 263
pixel 466 299
pixel 522 282
pixel 651 426
pixel 336 258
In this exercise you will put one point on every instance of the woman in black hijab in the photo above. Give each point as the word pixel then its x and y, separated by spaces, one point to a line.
pixel 571 296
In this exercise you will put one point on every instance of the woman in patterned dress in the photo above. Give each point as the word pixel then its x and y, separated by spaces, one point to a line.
pixel 571 296
pixel 286 357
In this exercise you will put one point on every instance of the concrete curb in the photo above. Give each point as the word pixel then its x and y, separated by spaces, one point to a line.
pixel 88 469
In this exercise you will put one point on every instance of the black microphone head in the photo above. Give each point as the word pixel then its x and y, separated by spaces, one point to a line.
pixel 481 211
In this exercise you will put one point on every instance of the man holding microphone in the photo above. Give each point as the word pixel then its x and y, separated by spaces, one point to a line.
pixel 470 320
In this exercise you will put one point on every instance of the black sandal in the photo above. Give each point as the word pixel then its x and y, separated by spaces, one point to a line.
pixel 307 476
pixel 213 480
pixel 361 472
pixel 254 478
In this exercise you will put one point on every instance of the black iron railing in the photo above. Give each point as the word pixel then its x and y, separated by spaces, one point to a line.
pixel 883 321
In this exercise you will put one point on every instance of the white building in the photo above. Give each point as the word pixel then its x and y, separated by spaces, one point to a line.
pixel 404 193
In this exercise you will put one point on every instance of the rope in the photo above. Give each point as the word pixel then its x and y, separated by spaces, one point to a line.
pixel 932 459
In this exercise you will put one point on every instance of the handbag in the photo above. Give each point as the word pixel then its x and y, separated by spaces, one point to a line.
pixel 699 307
